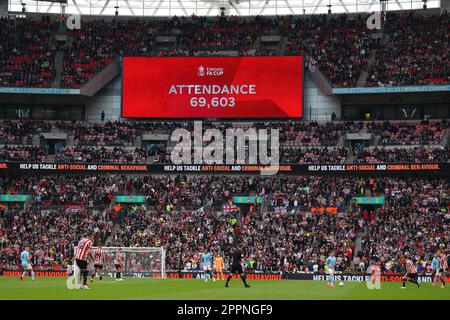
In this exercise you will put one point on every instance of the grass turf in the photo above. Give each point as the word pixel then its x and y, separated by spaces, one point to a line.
pixel 193 289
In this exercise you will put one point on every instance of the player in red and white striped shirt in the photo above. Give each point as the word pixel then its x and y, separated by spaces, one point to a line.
pixel 99 258
pixel 443 267
pixel 81 254
pixel 411 273
pixel 118 263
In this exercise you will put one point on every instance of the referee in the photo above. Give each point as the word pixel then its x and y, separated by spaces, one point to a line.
pixel 236 267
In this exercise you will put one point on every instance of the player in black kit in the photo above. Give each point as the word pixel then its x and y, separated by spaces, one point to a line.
pixel 236 267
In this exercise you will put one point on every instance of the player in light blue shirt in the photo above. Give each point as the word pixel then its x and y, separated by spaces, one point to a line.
pixel 435 267
pixel 206 258
pixel 330 263
pixel 25 259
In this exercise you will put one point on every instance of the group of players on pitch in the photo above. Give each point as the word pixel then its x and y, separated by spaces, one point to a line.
pixel 236 266
pixel 83 251
pixel 439 265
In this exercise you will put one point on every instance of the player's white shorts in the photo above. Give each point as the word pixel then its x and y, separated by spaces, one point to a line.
pixel 27 266
pixel 207 268
pixel 70 270
pixel 330 271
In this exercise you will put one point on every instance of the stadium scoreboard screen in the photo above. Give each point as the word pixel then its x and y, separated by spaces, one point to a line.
pixel 56 1
pixel 212 87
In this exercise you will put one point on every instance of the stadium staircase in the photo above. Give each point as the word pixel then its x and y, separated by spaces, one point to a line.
pixel 138 142
pixel 320 80
pixel 59 57
pixel 27 204
pixel 274 43
pixel 384 38
pixel 376 140
pixel 115 226
pixel 445 139
pixel 70 139
pixel 36 140
pixel 265 206
pixel 257 44
pixel 164 43
pixel 114 230
pixel 284 41
pixel 365 71
pixel 358 240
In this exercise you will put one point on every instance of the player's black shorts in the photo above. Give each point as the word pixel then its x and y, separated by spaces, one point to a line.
pixel 413 276
pixel 82 264
pixel 98 266
pixel 118 266
pixel 236 268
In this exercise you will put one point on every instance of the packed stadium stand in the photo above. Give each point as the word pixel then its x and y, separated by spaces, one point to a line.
pixel 303 218
pixel 71 154
pixel 300 142
pixel 290 233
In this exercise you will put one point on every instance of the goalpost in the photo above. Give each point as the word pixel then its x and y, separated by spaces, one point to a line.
pixel 138 261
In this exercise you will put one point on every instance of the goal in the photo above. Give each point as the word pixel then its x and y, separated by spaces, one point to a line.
pixel 138 261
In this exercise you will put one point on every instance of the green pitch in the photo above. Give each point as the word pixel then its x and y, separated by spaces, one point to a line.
pixel 187 289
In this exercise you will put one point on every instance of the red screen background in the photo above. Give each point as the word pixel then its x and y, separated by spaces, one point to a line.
pixel 147 80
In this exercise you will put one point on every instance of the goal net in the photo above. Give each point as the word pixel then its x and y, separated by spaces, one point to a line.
pixel 138 261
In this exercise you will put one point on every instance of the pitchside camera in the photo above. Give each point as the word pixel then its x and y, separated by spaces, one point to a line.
pixel 73 22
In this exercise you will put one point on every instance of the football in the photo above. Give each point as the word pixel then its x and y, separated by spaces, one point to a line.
pixel 341 284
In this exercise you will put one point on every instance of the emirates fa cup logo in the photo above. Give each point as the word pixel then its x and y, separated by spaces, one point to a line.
pixel 201 71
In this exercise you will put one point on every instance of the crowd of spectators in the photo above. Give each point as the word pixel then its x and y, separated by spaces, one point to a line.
pixel 338 45
pixel 313 155
pixel 51 233
pixel 101 154
pixel 323 38
pixel 187 214
pixel 409 133
pixel 27 52
pixel 22 153
pixel 99 42
pixel 88 191
pixel 314 133
pixel 108 134
pixel 415 220
pixel 300 142
pixel 297 239
pixel 273 241
pixel 416 155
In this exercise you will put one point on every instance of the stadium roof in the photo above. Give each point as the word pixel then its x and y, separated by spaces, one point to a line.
pixel 212 7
